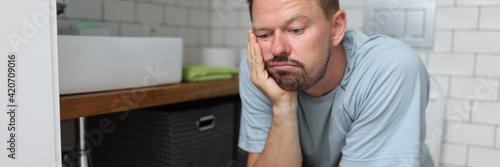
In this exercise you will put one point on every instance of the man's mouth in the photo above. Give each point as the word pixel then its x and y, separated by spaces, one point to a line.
pixel 282 66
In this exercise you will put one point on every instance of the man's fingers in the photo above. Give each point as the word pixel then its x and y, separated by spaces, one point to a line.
pixel 256 52
pixel 255 59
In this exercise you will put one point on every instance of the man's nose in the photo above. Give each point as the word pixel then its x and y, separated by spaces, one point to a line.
pixel 279 45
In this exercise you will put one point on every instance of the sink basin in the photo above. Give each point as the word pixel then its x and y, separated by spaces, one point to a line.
pixel 92 63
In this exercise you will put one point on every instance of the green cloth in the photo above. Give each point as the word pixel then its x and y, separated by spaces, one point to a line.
pixel 199 73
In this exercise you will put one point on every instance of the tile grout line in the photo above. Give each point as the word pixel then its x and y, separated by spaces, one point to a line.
pixel 164 14
pixel 452 41
pixel 498 92
pixel 474 66
pixel 427 55
pixel 471 103
pixel 478 17
pixel 449 87
pixel 467 151
pixel 136 18
pixel 119 32
pixel 102 11
pixel 495 137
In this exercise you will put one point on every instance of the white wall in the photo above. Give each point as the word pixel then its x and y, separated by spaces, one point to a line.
pixel 465 58
pixel 466 61
pixel 188 19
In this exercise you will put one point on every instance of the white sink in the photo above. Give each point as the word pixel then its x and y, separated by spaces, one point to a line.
pixel 91 63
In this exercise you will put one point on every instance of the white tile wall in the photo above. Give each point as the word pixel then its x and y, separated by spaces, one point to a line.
pixel 166 1
pixel 132 30
pixel 244 19
pixel 458 110
pixel 190 35
pixel 149 13
pixel 445 2
pixel 353 18
pixel 483 157
pixel 489 18
pixel 238 4
pixel 459 64
pixel 167 31
pixel 486 112
pixel 474 88
pixel 478 2
pixel 195 55
pixel 457 18
pixel 199 18
pixel 497 142
pixel 176 15
pixel 205 37
pixel 454 154
pixel 443 40
pixel 350 3
pixel 488 65
pixel 85 9
pixel 119 10
pixel 477 41
pixel 236 37
pixel 217 37
pixel 113 27
pixel 470 134
pixel 187 56
pixel 192 3
pixel 228 4
pixel 444 82
pixel 224 19
pixel 205 3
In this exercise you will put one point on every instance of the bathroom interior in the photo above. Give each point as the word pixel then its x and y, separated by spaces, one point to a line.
pixel 456 39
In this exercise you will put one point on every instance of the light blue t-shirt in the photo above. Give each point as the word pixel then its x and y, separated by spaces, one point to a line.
pixel 374 117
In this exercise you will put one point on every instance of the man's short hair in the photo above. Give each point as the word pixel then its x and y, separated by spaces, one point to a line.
pixel 329 7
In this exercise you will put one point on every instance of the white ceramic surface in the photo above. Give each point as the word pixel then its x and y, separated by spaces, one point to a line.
pixel 91 63
pixel 219 57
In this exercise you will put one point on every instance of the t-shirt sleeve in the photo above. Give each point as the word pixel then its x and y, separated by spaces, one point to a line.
pixel 256 113
pixel 387 112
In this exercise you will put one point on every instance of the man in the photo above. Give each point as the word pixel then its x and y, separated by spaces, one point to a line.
pixel 315 95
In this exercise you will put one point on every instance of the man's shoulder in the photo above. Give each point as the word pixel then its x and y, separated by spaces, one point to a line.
pixel 381 51
pixel 381 57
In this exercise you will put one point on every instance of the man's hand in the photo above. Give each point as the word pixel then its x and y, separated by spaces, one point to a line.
pixel 261 78
pixel 282 145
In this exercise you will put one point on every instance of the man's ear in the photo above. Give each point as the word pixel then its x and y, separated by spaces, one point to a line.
pixel 338 22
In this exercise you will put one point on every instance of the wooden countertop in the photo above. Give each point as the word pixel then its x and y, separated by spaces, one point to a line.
pixel 89 104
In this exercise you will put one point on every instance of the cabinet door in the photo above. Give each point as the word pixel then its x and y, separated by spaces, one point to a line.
pixel 29 119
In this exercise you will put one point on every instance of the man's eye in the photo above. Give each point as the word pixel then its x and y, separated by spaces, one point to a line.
pixel 296 30
pixel 263 36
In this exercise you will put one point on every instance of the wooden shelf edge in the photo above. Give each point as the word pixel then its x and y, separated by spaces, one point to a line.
pixel 90 104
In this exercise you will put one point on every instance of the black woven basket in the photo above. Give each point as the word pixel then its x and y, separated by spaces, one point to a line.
pixel 190 134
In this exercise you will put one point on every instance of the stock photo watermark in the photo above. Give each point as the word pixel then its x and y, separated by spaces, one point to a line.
pixel 222 7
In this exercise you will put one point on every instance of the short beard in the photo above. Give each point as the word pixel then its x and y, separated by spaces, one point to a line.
pixel 294 81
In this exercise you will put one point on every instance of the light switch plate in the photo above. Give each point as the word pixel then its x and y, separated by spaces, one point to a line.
pixel 410 21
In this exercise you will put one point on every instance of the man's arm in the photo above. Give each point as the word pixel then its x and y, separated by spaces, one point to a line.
pixel 282 145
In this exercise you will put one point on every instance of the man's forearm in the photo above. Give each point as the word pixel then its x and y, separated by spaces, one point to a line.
pixel 283 145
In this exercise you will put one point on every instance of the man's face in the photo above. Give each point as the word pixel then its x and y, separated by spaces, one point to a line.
pixel 295 39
